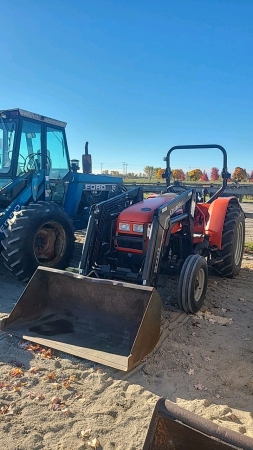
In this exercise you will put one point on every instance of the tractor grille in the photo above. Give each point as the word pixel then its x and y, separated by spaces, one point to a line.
pixel 129 242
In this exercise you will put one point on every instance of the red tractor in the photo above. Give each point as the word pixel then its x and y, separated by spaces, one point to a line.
pixel 131 239
pixel 112 314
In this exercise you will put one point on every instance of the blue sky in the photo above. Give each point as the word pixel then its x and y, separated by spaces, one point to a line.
pixel 135 77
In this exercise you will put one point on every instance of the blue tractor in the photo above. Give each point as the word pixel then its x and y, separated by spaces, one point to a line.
pixel 44 197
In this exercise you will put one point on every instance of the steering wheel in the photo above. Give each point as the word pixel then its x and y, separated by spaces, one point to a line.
pixel 29 163
pixel 176 189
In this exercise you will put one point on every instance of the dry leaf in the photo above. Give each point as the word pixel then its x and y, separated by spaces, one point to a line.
pixel 7 410
pixel 31 395
pixel 36 348
pixel 55 399
pixel 57 404
pixel 190 372
pixel 94 443
pixel 199 387
pixel 86 433
pixel 50 377
pixel 65 411
pixel 40 397
pixel 77 396
pixel 16 372
pixel 33 370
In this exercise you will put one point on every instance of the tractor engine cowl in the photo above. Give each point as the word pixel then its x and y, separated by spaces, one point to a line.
pixel 134 223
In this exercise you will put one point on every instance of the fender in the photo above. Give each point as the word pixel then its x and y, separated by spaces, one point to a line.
pixel 217 212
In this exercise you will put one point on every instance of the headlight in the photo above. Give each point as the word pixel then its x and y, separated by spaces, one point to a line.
pixel 138 228
pixel 124 226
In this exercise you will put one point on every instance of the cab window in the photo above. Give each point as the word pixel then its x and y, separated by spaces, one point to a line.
pixel 56 153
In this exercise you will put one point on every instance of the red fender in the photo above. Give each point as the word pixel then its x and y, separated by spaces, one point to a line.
pixel 217 212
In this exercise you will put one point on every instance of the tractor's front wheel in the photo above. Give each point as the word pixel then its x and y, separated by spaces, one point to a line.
pixel 40 234
pixel 232 244
pixel 192 284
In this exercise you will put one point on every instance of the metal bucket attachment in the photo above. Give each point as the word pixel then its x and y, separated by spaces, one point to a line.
pixel 112 323
pixel 174 428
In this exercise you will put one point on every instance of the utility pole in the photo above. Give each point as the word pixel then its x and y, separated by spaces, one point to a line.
pixel 126 168
pixel 101 167
pixel 124 165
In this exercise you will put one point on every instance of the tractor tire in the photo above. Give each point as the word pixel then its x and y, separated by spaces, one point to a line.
pixel 232 244
pixel 192 284
pixel 40 234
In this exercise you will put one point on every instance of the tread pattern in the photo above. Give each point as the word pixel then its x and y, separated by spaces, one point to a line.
pixel 227 268
pixel 18 252
pixel 186 282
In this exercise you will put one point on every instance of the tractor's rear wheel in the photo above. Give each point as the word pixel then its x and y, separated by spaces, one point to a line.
pixel 40 234
pixel 192 284
pixel 232 244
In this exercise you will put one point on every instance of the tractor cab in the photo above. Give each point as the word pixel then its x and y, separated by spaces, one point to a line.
pixel 30 141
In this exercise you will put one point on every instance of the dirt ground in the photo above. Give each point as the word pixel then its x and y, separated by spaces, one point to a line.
pixel 203 363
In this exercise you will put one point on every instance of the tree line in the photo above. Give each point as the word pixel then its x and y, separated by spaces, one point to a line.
pixel 151 172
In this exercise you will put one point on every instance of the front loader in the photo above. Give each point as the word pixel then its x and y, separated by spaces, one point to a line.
pixel 110 311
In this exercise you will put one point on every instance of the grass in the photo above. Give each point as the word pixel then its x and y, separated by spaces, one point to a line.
pixel 248 247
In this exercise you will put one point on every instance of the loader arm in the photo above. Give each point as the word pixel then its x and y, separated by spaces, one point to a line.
pixel 160 233
pixel 101 215
pixel 33 191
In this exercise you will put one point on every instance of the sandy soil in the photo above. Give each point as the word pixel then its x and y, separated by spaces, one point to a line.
pixel 203 363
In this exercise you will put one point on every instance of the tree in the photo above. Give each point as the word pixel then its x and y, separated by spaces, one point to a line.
pixel 105 172
pixel 149 172
pixel 115 173
pixel 178 174
pixel 214 174
pixel 182 175
pixel 239 174
pixel 204 176
pixel 159 173
pixel 195 174
pixel 251 177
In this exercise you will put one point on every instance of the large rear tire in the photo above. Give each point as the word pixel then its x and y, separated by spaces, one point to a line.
pixel 232 245
pixel 40 234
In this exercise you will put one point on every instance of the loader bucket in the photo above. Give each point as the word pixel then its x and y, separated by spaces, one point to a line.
pixel 112 323
pixel 174 428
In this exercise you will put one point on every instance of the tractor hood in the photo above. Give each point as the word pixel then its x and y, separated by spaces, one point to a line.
pixel 143 212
